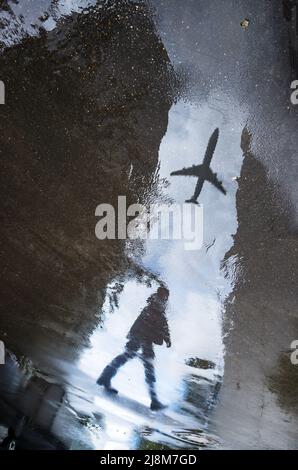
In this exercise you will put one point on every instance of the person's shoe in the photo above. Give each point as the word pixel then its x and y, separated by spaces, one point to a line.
pixel 157 406
pixel 107 385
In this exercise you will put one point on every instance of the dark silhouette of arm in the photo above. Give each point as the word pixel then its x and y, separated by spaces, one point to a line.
pixel 166 333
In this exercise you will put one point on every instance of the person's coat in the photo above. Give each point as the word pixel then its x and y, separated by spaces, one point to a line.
pixel 151 326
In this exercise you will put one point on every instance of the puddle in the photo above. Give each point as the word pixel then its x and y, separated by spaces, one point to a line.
pixel 108 101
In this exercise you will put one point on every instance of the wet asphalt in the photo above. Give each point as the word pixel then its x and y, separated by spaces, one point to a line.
pixel 110 101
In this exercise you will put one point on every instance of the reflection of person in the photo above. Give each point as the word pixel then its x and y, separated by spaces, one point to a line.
pixel 151 327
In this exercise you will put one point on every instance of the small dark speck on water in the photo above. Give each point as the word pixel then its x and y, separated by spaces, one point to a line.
pixel 245 24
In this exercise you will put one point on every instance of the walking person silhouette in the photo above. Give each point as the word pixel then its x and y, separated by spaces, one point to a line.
pixel 151 327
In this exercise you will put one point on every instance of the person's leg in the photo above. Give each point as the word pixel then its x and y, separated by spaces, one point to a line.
pixel 111 370
pixel 147 358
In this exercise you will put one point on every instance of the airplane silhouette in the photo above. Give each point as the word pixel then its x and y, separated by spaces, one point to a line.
pixel 203 172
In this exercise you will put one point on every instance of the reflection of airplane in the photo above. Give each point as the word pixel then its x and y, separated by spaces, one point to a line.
pixel 203 172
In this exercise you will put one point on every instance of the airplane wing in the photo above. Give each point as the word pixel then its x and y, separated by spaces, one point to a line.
pixel 198 189
pixel 211 147
pixel 215 181
pixel 183 172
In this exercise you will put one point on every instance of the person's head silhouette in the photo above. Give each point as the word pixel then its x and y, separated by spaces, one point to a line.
pixel 163 293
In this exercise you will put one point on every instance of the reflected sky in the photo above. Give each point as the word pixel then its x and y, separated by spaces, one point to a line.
pixel 197 286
